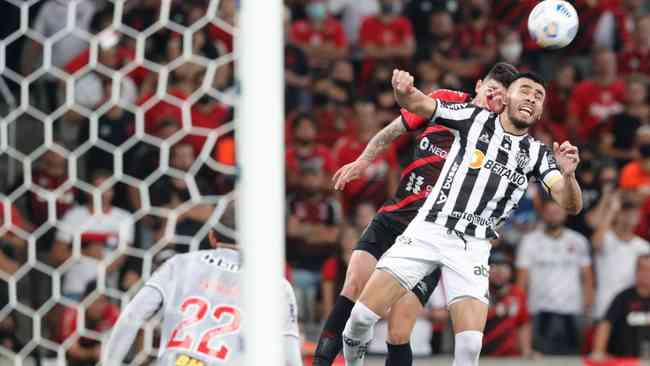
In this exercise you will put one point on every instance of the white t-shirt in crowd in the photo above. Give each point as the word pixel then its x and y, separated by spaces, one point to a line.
pixel 615 268
pixel 79 224
pixel 353 12
pixel 53 18
pixel 554 270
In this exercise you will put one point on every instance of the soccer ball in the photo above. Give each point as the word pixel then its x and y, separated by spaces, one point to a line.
pixel 553 23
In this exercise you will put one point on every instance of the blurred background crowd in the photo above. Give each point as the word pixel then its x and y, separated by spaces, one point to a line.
pixel 560 285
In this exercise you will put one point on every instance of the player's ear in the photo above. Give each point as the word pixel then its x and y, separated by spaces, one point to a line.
pixel 212 237
pixel 478 85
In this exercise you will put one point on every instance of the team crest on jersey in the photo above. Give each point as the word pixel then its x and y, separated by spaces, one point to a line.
pixel 522 159
pixel 506 143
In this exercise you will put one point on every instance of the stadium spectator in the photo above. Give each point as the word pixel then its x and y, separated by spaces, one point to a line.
pixel 554 266
pixel 387 36
pixel 419 13
pixel 335 268
pixel 99 232
pixel 618 141
pixel 511 48
pixel 625 330
pixel 220 34
pixel 207 114
pixel 9 333
pixel 478 34
pixel 352 13
pixel 174 191
pixel 456 62
pixel 636 57
pixel 333 94
pixel 144 158
pixel 321 35
pixel 100 316
pixel 635 175
pixel 380 179
pixel 312 233
pixel 52 18
pixel 303 150
pixel 598 183
pixel 596 99
pixel 616 250
pixel 554 119
pixel 49 173
pixel 296 71
pixel 508 330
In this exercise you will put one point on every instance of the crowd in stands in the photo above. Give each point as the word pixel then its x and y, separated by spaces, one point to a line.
pixel 559 284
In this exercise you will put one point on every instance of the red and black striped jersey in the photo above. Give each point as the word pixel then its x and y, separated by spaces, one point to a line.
pixel 506 315
pixel 419 176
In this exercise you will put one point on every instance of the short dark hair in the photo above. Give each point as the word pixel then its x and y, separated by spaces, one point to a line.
pixel 502 72
pixel 532 76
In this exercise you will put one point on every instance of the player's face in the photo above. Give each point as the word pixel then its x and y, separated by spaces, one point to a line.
pixel 525 102
pixel 490 94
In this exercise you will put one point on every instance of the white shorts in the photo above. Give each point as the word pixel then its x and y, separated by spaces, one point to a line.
pixel 424 246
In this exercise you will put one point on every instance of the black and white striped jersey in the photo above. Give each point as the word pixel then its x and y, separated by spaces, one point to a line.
pixel 486 173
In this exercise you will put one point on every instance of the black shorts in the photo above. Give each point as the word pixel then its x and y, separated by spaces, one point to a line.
pixel 380 235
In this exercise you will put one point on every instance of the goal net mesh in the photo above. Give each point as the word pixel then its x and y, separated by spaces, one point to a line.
pixel 123 101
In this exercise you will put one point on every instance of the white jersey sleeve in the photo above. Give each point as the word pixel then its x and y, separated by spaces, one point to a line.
pixel 291 321
pixel 163 279
pixel 457 116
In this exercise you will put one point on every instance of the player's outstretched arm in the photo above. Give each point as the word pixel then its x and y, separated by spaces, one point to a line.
pixel 567 191
pixel 377 145
pixel 143 306
pixel 411 98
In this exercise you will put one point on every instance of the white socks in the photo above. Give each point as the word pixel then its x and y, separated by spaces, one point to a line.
pixel 467 348
pixel 358 333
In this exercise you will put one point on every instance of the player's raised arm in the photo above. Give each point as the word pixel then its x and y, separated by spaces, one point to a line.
pixel 411 98
pixel 377 145
pixel 566 190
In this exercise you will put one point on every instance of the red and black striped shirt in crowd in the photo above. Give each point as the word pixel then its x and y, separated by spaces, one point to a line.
pixel 505 317
pixel 420 175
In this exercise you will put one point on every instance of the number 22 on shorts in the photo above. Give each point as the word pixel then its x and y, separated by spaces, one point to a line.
pixel 195 310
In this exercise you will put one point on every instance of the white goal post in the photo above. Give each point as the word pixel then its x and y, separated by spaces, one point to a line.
pixel 260 152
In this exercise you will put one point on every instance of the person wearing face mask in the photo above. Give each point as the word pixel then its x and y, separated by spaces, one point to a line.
pixel 321 35
pixel 508 310
pixel 387 36
pixel 553 264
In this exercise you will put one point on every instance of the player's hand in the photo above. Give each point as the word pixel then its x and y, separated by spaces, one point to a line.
pixel 349 172
pixel 567 157
pixel 403 84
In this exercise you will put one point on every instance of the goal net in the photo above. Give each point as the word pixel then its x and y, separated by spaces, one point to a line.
pixel 116 151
